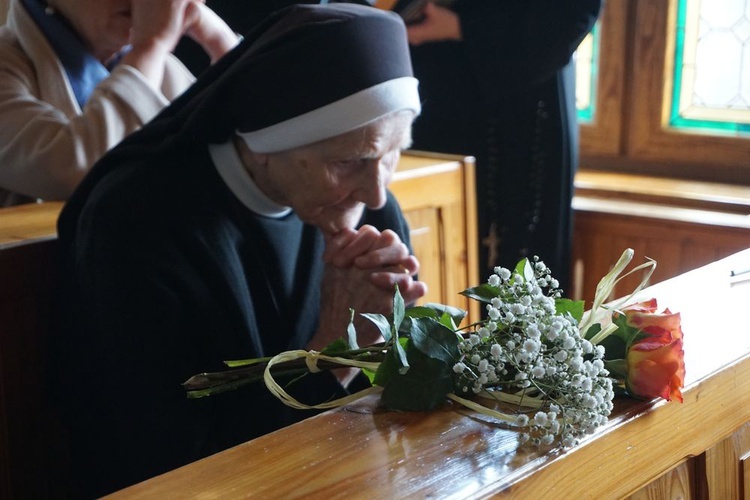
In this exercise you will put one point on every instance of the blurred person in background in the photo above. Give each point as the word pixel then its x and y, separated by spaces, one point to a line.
pixel 77 76
pixel 498 83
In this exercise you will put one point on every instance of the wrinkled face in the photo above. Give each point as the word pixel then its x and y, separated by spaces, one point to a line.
pixel 104 25
pixel 329 183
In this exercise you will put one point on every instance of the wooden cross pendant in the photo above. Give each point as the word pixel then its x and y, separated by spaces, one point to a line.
pixel 492 242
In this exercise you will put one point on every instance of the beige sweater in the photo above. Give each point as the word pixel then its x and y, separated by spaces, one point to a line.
pixel 3 11
pixel 47 142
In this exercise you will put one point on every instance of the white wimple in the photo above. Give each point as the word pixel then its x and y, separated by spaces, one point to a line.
pixel 336 118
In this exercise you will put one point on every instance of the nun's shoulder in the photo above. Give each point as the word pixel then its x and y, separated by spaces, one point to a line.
pixel 147 190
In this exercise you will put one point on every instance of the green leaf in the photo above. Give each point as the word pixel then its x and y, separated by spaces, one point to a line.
pixel 424 387
pixel 483 293
pixel 422 312
pixel 398 309
pixel 618 368
pixel 389 367
pixel 434 340
pixel 398 318
pixel 236 363
pixel 574 307
pixel 592 331
pixel 431 350
pixel 624 331
pixel 434 310
pixel 614 348
pixel 456 314
pixel 447 321
pixel 370 375
pixel 381 322
pixel 351 332
pixel 524 269
pixel 401 353
pixel 337 346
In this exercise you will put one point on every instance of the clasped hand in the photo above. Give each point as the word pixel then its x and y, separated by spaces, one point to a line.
pixel 361 270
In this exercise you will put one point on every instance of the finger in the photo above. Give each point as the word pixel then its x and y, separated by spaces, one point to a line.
pixel 387 238
pixel 409 288
pixel 411 263
pixel 363 242
pixel 192 14
pixel 335 242
pixel 415 291
pixel 386 280
pixel 383 257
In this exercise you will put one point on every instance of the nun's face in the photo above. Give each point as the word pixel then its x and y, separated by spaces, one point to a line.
pixel 329 183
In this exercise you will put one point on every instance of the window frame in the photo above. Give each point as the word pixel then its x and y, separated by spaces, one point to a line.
pixel 629 132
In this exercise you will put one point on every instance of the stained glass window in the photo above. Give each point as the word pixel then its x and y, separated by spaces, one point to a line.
pixel 710 88
pixel 587 58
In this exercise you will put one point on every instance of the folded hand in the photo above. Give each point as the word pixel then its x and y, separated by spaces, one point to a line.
pixel 362 268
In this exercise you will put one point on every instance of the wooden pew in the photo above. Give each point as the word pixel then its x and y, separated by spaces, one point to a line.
pixel 433 190
pixel 32 450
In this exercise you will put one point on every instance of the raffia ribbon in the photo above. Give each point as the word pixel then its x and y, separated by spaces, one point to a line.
pixel 604 290
pixel 311 360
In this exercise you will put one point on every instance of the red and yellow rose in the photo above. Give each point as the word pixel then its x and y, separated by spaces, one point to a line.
pixel 655 360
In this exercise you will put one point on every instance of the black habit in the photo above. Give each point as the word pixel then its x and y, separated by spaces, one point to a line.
pixel 166 275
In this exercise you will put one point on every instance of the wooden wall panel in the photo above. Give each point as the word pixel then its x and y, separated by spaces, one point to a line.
pixel 726 463
pixel 674 484
pixel 425 232
pixel 436 193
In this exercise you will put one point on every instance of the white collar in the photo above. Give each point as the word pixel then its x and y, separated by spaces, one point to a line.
pixel 234 174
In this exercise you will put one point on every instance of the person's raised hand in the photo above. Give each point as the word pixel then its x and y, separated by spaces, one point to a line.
pixel 158 25
pixel 210 31
pixel 438 24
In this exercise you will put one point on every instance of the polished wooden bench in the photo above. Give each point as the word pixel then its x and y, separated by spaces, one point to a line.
pixel 649 450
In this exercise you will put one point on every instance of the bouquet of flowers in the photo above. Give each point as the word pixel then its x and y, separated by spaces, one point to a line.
pixel 536 362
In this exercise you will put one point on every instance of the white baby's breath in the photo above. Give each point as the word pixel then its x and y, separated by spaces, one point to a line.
pixel 526 349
